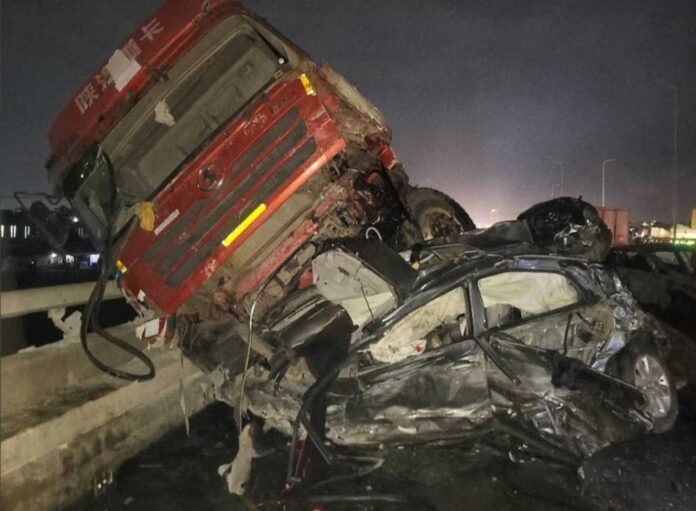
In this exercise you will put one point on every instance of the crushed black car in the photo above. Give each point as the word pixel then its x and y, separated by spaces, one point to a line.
pixel 455 340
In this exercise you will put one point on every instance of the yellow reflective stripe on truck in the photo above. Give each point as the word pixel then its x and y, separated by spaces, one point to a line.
pixel 244 225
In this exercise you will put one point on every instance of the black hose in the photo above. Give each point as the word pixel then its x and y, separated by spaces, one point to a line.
pixel 91 312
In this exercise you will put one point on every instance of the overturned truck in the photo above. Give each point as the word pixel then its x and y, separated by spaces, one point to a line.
pixel 209 150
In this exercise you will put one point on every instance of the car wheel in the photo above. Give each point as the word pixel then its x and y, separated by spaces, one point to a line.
pixel 644 368
pixel 437 214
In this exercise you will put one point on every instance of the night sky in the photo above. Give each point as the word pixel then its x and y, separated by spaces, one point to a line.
pixel 482 96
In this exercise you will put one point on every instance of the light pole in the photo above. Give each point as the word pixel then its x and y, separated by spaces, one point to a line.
pixel 675 148
pixel 553 195
pixel 604 165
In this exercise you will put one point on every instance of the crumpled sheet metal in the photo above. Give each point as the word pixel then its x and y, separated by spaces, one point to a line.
pixel 628 315
pixel 457 393
pixel 448 397
pixel 573 414
pixel 578 422
pixel 570 227
pixel 277 403
pixel 615 344
pixel 427 398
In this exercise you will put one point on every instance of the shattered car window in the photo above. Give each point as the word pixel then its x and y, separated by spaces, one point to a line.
pixel 669 258
pixel 512 296
pixel 439 322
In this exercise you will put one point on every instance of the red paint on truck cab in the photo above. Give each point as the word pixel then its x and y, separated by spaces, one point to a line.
pixel 212 121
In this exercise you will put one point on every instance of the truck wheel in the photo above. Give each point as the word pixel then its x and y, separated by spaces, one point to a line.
pixel 437 214
pixel 643 367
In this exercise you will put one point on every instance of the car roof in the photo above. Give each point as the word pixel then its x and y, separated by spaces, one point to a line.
pixel 475 261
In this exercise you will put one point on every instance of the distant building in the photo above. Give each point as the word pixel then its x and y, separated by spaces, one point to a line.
pixel 15 225
pixel 656 232
pixel 29 260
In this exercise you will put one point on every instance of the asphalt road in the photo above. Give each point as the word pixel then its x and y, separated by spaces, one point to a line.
pixel 647 473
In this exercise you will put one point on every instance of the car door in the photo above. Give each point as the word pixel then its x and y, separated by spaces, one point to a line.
pixel 545 309
pixel 506 308
pixel 425 379
pixel 533 325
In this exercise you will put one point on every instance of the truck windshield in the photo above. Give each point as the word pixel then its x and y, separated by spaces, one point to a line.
pixel 200 93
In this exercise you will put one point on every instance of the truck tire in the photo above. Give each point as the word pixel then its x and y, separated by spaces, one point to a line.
pixel 641 365
pixel 436 214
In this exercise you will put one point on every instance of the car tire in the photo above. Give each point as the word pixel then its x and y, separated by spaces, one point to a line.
pixel 642 366
pixel 436 214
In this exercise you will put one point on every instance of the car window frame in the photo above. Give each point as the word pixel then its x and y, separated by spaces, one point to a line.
pixel 412 305
pixel 481 328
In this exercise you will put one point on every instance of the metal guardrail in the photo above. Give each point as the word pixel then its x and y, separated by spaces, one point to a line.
pixel 26 301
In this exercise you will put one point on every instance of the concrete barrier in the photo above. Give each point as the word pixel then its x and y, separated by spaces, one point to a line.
pixel 65 424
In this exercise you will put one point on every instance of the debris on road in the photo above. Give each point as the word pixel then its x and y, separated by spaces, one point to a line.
pixel 238 472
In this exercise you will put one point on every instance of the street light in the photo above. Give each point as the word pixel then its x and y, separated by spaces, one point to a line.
pixel 604 164
pixel 675 93
pixel 493 216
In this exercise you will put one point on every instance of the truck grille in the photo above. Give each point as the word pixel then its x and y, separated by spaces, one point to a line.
pixel 176 259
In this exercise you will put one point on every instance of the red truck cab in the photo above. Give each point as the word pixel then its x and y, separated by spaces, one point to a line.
pixel 229 148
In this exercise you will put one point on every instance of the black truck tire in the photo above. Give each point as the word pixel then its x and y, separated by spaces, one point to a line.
pixel 436 214
pixel 640 364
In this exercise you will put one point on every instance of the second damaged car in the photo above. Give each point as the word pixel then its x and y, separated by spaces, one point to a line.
pixel 662 278
pixel 550 355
